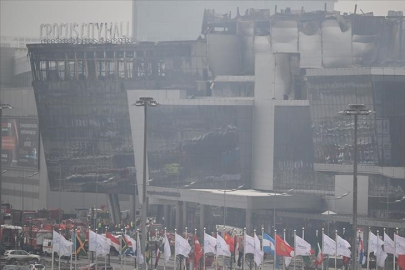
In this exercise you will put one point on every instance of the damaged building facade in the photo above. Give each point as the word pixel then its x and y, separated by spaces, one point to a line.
pixel 247 111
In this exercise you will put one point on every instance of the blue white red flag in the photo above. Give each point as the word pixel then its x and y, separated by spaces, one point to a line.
pixel 362 257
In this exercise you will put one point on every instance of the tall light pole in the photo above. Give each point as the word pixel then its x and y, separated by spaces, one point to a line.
pixel 2 106
pixel 355 110
pixel 274 203
pixel 144 102
pixel 226 191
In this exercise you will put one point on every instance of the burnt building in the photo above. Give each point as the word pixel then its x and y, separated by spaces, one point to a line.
pixel 253 103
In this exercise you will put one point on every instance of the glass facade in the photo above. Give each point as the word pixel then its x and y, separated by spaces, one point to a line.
pixel 380 135
pixel 86 136
pixel 293 151
pixel 209 144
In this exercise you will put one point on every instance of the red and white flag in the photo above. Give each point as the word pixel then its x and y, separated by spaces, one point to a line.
pixel 115 242
pixel 319 257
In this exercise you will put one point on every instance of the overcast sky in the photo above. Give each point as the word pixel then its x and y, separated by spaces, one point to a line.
pixel 23 18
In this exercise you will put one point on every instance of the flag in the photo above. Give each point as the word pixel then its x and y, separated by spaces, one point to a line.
pixel 139 256
pixel 166 249
pixel 319 256
pixel 401 261
pixel 230 241
pixel 328 245
pixel 302 247
pixel 381 256
pixel 125 245
pixel 129 245
pixel 209 244
pixel 282 248
pixel 74 242
pixel 115 242
pixel 287 260
pixel 157 252
pixel 389 245
pixel 222 247
pixel 268 244
pixel 258 255
pixel 342 247
pixel 197 252
pixel 399 244
pixel 372 243
pixel 80 250
pixel 60 245
pixel 182 246
pixel 249 244
pixel 361 257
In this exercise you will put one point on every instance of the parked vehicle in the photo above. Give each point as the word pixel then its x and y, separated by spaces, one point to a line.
pixel 100 266
pixel 14 256
pixel 37 267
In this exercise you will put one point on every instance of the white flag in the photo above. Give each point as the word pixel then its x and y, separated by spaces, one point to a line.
pixel 103 245
pixel 328 245
pixel 209 244
pixel 373 243
pixel 249 244
pixel 399 244
pixel 60 245
pixel 302 247
pixel 258 255
pixel 222 247
pixel 182 246
pixel 166 250
pixel 139 255
pixel 389 246
pixel 342 247
pixel 381 256
pixel 92 241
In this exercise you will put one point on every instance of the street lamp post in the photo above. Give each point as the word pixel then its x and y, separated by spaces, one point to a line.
pixel 2 106
pixel 355 110
pixel 274 204
pixel 226 191
pixel 144 102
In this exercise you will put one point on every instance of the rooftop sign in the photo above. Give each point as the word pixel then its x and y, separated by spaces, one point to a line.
pixel 95 31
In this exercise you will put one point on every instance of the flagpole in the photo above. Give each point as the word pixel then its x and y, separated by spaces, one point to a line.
pixel 384 246
pixel 216 255
pixel 105 255
pixel 96 249
pixel 156 245
pixel 195 261
pixel 59 252
pixel 254 234
pixel 376 255
pixel 295 232
pixel 303 237
pixel 395 247
pixel 323 231
pixel 335 249
pixel 185 260
pixel 274 253
pixel 244 248
pixel 88 250
pixel 121 250
pixel 71 253
pixel 53 254
pixel 175 266
pixel 275 246
pixel 233 260
pixel 263 247
pixel 75 248
pixel 368 249
pixel 203 250
pixel 138 251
